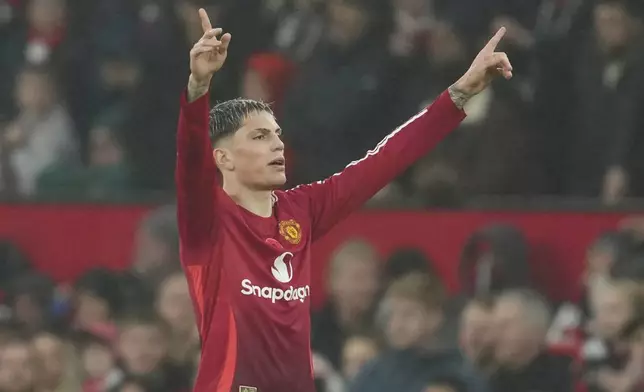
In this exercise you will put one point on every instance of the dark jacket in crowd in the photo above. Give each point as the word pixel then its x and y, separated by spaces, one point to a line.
pixel 606 121
pixel 328 336
pixel 547 373
pixel 336 109
pixel 412 371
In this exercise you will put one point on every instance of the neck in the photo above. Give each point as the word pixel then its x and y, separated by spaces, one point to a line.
pixel 258 202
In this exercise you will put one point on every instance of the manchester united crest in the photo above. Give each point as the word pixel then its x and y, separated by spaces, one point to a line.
pixel 291 231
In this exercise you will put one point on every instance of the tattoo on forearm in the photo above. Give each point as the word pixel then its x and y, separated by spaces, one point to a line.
pixel 196 90
pixel 459 97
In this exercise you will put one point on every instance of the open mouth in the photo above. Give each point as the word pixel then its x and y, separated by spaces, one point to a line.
pixel 277 162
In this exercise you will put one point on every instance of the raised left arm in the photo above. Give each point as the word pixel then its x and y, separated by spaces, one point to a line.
pixel 333 199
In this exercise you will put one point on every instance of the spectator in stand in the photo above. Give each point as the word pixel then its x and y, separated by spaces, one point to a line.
pixel 412 315
pixel 326 378
pixel 17 366
pixel 106 175
pixel 143 349
pixel 447 385
pixel 99 363
pixel 299 28
pixel 603 145
pixel 521 321
pixel 405 261
pixel 354 282
pixel 156 253
pixel 340 101
pixel 413 20
pixel 133 384
pixel 495 258
pixel 39 136
pixel 9 329
pixel 491 151
pixel 58 368
pixel 13 263
pixel 609 356
pixel 30 298
pixel 174 306
pixel 267 79
pixel 42 39
pixel 96 301
pixel 633 374
pixel 11 18
pixel 613 254
pixel 477 333
pixel 358 350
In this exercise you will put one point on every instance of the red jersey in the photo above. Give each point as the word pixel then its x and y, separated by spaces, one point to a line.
pixel 249 276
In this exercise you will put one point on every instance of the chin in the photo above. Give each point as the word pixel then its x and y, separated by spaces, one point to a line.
pixel 277 181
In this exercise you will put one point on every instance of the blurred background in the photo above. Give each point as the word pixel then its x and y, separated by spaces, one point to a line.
pixel 509 259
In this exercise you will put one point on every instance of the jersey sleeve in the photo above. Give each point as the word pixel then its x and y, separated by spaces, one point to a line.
pixel 195 176
pixel 333 199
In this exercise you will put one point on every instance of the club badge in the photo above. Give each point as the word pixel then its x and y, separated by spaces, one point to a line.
pixel 291 231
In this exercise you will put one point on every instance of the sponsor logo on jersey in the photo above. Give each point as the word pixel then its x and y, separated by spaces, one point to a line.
pixel 243 388
pixel 282 272
pixel 291 231
pixel 282 269
pixel 275 293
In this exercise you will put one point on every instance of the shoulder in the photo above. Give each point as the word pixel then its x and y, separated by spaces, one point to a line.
pixel 294 200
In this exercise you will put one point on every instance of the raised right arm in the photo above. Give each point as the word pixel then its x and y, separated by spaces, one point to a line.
pixel 196 174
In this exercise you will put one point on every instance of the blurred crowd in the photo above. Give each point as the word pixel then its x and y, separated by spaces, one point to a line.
pixel 95 86
pixel 89 111
pixel 387 322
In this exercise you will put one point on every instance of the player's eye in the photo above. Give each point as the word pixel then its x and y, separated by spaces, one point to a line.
pixel 260 137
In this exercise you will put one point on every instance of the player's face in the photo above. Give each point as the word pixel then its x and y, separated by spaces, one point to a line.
pixel 257 153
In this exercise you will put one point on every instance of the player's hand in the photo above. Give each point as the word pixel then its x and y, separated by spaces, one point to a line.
pixel 487 65
pixel 209 53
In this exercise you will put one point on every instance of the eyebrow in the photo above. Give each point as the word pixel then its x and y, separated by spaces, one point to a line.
pixel 266 130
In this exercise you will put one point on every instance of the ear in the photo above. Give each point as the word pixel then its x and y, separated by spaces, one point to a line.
pixel 223 159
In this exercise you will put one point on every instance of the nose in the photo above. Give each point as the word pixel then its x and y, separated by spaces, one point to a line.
pixel 278 144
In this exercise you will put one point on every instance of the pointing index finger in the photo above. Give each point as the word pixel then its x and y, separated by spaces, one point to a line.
pixel 494 42
pixel 205 20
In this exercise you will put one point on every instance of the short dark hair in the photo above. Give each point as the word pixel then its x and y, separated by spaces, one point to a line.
pixel 228 116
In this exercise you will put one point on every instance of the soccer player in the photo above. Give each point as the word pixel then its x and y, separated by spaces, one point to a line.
pixel 246 246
